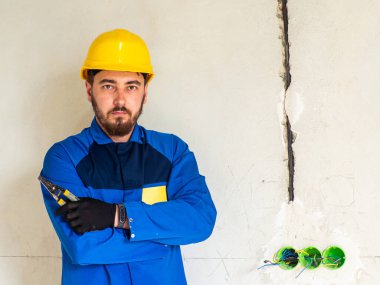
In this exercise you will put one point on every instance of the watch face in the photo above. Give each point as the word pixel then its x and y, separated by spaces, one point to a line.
pixel 121 214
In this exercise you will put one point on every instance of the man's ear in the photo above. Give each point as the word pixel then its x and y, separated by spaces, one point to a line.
pixel 88 91
pixel 146 93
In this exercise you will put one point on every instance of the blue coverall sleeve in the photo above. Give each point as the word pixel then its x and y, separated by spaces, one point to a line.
pixel 189 214
pixel 107 246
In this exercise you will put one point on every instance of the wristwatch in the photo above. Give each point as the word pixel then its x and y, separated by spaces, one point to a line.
pixel 122 216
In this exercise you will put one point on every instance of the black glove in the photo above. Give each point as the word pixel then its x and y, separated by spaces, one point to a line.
pixel 88 214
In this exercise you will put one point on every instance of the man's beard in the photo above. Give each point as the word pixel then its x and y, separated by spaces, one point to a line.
pixel 119 128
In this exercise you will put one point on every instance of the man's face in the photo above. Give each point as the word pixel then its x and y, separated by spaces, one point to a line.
pixel 117 98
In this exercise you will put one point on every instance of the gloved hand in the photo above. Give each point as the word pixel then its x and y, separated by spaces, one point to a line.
pixel 88 214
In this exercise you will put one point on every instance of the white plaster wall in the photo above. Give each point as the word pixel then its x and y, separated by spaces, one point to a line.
pixel 217 86
pixel 334 109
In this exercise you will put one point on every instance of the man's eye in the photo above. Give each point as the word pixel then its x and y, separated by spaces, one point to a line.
pixel 107 87
pixel 132 88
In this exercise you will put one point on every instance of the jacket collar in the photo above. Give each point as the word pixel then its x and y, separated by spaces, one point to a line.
pixel 101 137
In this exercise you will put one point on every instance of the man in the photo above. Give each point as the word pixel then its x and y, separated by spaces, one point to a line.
pixel 141 195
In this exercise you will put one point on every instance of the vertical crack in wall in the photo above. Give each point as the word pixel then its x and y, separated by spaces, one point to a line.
pixel 287 78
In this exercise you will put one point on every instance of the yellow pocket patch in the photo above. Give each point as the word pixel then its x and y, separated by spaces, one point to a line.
pixel 154 195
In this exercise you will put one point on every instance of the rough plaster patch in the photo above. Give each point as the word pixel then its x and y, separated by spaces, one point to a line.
pixel 294 104
pixel 299 226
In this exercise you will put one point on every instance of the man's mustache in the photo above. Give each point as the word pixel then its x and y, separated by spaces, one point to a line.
pixel 120 109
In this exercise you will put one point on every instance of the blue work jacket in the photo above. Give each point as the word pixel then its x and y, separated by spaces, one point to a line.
pixel 168 204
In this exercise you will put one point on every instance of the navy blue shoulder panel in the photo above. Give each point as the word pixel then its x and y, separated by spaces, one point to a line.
pixel 123 166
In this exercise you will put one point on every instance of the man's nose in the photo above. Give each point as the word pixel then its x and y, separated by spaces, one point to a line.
pixel 119 99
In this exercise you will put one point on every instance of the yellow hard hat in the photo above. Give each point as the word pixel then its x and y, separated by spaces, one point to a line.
pixel 118 50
